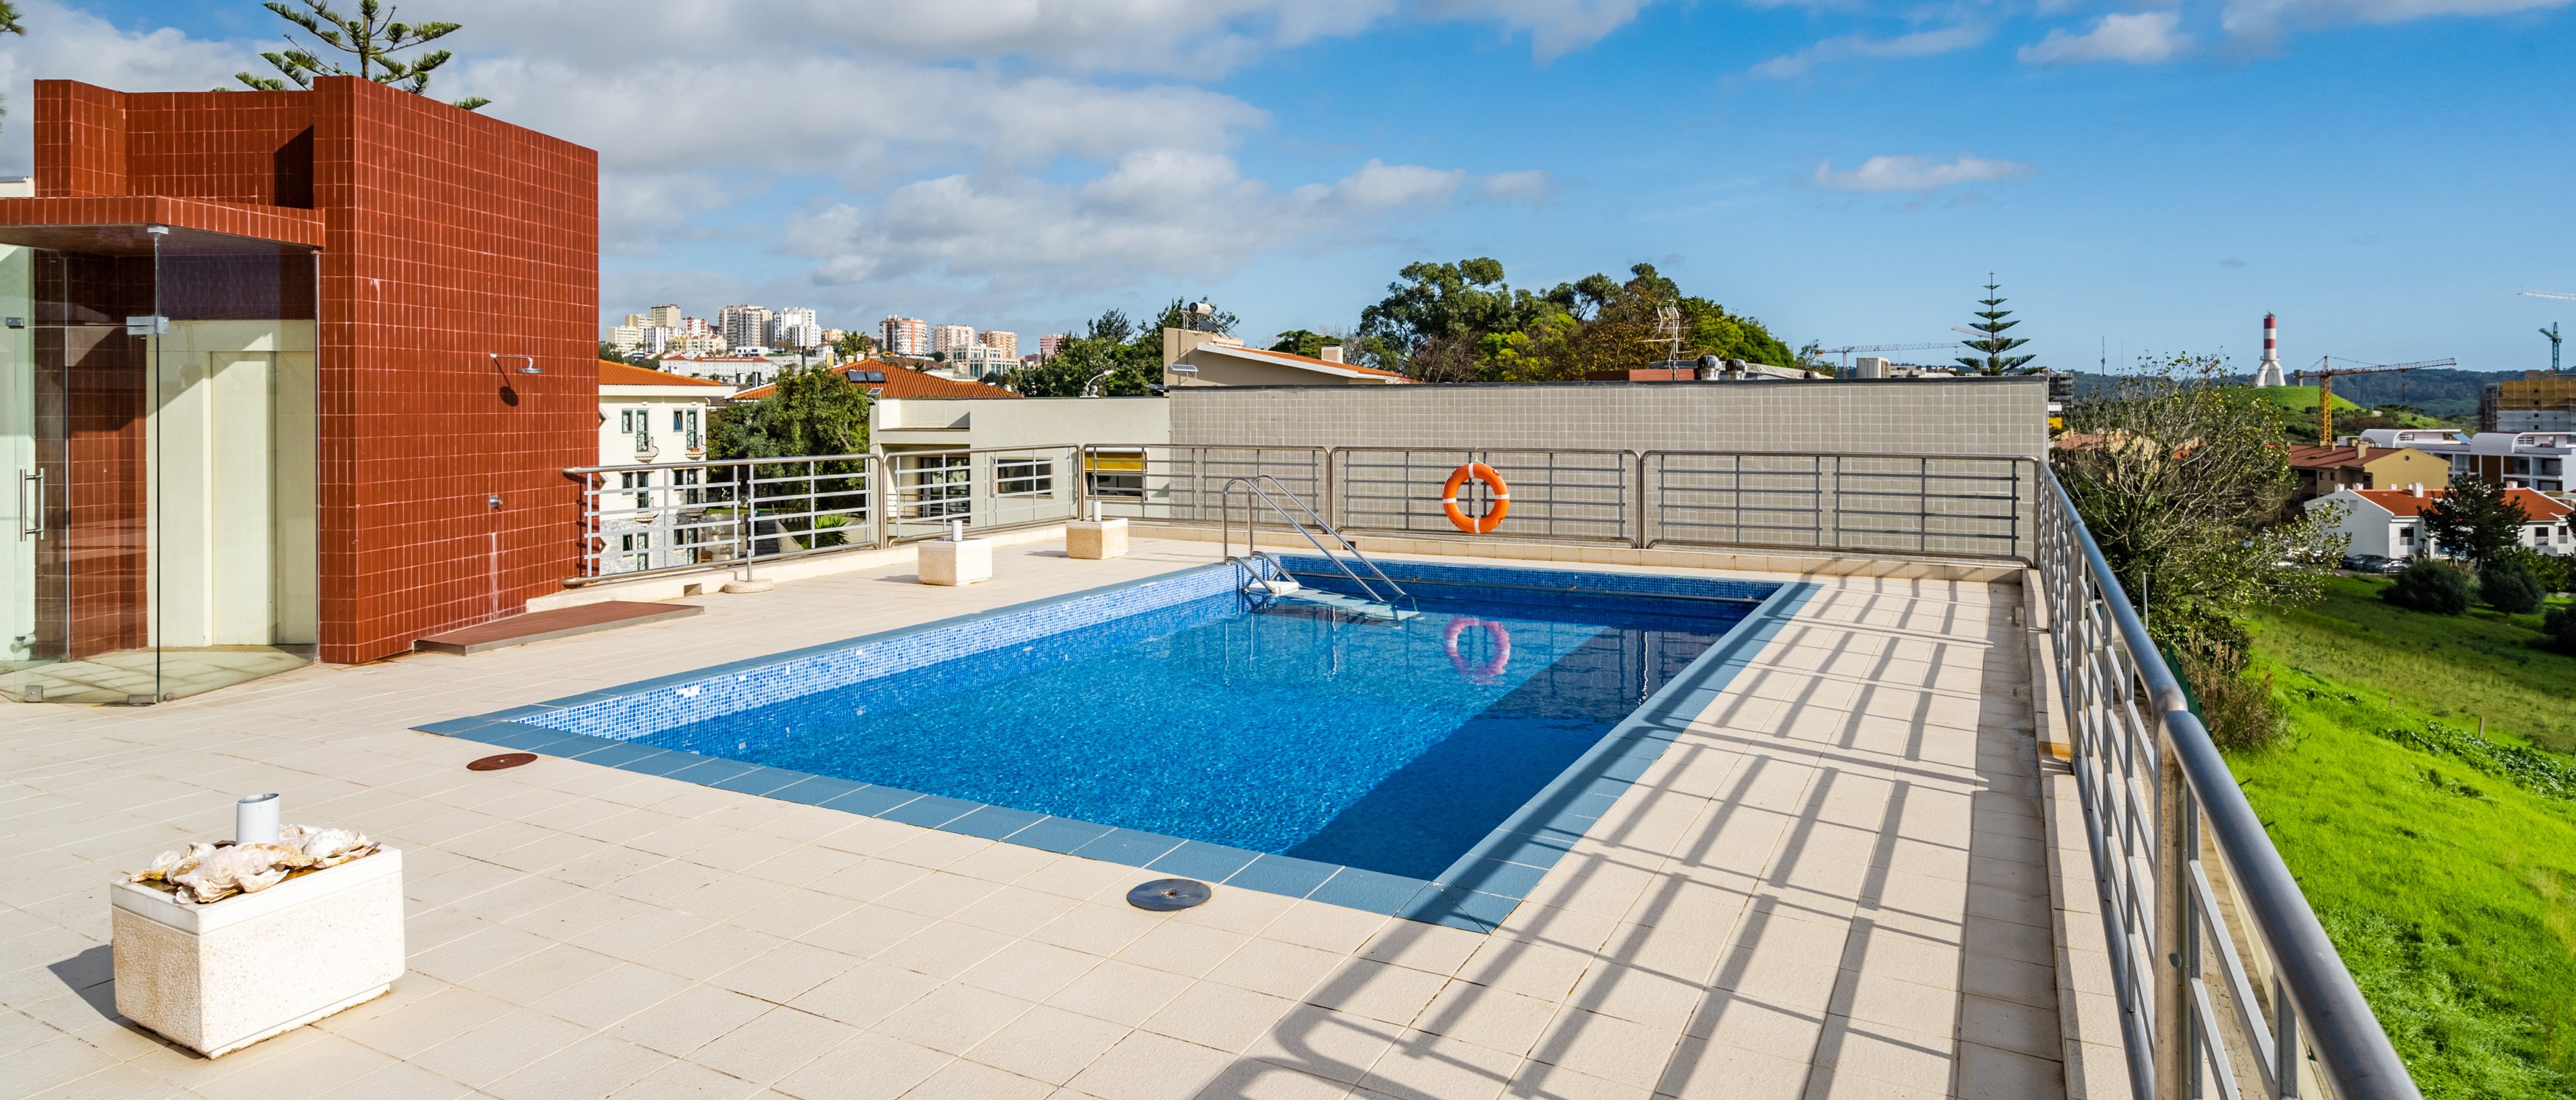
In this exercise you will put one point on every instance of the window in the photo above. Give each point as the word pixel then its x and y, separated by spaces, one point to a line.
pixel 642 483
pixel 626 421
pixel 1115 473
pixel 1023 477
pixel 942 486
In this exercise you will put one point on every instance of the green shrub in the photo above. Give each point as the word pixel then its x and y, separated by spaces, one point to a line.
pixel 2431 587
pixel 2509 588
pixel 2558 630
pixel 2556 573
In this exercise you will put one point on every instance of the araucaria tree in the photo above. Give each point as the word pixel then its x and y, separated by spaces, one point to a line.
pixel 1992 343
pixel 2476 521
pixel 373 37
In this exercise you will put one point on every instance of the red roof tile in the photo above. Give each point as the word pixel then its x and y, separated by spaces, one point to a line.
pixel 899 383
pixel 614 373
pixel 2403 503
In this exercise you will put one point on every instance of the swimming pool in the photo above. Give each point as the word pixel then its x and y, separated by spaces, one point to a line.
pixel 1433 767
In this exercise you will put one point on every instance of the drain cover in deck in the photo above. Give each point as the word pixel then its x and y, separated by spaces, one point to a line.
pixel 1164 895
pixel 505 760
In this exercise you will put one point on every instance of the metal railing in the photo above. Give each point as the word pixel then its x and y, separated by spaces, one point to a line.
pixel 1185 483
pixel 1556 496
pixel 654 518
pixel 1939 505
pixel 2225 979
pixel 1268 490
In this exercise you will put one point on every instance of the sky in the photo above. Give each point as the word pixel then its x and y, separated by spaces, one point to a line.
pixel 2143 178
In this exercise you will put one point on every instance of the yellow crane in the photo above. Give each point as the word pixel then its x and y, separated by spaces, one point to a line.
pixel 2325 372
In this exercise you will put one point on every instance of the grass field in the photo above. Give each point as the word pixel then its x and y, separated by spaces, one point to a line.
pixel 2450 892
pixel 2479 665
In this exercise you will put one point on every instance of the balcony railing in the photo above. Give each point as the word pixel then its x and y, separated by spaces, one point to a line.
pixel 2227 984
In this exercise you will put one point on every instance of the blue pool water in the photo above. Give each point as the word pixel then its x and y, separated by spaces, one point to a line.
pixel 1392 748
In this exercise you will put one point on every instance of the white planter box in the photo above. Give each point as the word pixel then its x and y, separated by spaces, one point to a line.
pixel 217 978
pixel 945 562
pixel 1095 539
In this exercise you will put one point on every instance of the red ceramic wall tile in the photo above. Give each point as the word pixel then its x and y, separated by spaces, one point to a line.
pixel 446 238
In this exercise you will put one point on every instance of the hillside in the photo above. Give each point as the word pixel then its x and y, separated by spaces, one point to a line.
pixel 2444 392
pixel 2448 882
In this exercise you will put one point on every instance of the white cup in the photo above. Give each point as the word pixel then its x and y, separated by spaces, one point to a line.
pixel 255 820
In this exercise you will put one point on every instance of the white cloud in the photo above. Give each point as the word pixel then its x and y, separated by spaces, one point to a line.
pixel 66 44
pixel 1910 173
pixel 2265 19
pixel 1918 44
pixel 2142 38
pixel 1556 27
pixel 1168 213
pixel 1531 187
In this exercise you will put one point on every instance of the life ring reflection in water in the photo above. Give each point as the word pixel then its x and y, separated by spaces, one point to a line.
pixel 1476 525
pixel 1497 636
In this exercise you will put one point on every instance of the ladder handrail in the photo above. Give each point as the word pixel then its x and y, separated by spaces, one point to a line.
pixel 1251 545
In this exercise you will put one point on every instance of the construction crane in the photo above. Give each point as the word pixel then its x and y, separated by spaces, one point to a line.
pixel 1846 352
pixel 2552 333
pixel 2549 294
pixel 2326 372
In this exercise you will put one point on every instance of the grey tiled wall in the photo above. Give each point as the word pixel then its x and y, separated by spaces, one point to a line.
pixel 1946 416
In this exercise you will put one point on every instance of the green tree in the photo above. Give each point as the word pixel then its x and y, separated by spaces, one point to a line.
pixel 1993 344
pixel 2476 521
pixel 1462 322
pixel 808 411
pixel 373 36
pixel 10 24
pixel 855 345
pixel 1111 357
pixel 1303 342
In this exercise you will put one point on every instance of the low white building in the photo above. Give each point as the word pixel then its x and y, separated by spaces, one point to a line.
pixel 1213 359
pixel 2390 522
pixel 646 419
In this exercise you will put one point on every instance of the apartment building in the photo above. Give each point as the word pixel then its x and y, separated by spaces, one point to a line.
pixel 2540 401
pixel 1008 343
pixel 743 326
pixel 904 336
pixel 952 338
pixel 2531 460
pixel 1051 343
pixel 795 327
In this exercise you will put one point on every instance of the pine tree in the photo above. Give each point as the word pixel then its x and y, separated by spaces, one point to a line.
pixel 1993 342
pixel 372 36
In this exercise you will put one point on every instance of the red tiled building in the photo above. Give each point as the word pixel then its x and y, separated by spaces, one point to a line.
pixel 372 359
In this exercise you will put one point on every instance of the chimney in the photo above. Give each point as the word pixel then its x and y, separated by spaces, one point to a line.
pixel 2360 449
pixel 1332 353
pixel 2415 489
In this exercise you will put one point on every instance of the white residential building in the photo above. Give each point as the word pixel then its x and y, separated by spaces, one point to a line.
pixel 667 316
pixel 743 326
pixel 627 339
pixel 904 336
pixel 795 327
pixel 950 338
pixel 2390 522
pixel 645 418
pixel 980 361
pixel 738 371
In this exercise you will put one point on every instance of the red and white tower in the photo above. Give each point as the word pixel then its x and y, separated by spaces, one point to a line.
pixel 2269 374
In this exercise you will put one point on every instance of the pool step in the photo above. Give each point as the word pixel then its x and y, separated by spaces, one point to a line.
pixel 1288 591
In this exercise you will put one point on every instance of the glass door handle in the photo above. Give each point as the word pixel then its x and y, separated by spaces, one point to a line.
pixel 31 506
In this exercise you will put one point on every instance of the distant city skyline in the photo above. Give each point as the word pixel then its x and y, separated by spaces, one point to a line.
pixel 2139 181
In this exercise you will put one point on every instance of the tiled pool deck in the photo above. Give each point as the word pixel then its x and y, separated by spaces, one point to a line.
pixel 1833 883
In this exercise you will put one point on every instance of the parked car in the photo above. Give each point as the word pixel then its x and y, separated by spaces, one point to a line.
pixel 2371 563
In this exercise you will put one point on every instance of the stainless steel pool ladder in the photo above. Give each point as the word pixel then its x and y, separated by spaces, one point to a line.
pixel 1261 487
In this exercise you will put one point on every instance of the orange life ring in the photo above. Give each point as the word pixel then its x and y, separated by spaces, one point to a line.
pixel 1491 671
pixel 1476 525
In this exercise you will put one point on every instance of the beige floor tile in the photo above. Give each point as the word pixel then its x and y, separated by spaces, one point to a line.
pixel 867 930
pixel 953 1018
pixel 785 972
pixel 613 995
pixel 963 1080
pixel 1428 1067
pixel 1146 1066
pixel 1379 991
pixel 1119 992
pixel 1986 1073
pixel 1701 1069
pixel 944 950
pixel 499 1048
pixel 1607 1047
pixel 1029 970
pixel 689 1019
pixel 773 1045
pixel 1252 1079
pixel 686 1081
pixel 593 1067
pixel 1220 1016
pixel 1325 1043
pixel 1275 967
pixel 867 1067
pixel 1185 949
pixel 866 993
pixel 1049 1044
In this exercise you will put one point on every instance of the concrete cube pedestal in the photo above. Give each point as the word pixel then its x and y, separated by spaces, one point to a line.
pixel 952 563
pixel 217 978
pixel 1095 539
